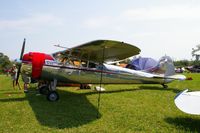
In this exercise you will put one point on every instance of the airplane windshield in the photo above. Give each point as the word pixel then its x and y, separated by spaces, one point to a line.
pixel 66 60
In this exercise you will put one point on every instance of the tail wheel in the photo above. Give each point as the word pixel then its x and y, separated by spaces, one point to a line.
pixel 53 96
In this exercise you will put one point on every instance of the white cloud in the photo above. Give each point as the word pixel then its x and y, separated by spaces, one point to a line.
pixel 138 22
pixel 33 22
pixel 144 14
pixel 160 13
pixel 97 22
pixel 125 18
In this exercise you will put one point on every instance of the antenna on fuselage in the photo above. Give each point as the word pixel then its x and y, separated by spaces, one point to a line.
pixel 59 46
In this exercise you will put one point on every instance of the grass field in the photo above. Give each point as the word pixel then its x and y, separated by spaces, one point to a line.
pixel 123 108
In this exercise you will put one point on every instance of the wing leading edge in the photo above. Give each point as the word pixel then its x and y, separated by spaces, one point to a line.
pixel 102 50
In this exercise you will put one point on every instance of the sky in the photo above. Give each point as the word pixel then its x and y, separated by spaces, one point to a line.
pixel 157 27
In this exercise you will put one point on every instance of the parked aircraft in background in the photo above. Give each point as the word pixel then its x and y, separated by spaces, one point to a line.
pixel 193 69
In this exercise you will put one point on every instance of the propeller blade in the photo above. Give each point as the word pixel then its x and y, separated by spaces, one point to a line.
pixel 20 65
pixel 22 51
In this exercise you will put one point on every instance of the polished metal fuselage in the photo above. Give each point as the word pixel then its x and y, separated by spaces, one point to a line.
pixel 106 74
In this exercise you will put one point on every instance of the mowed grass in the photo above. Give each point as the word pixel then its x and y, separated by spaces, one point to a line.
pixel 123 108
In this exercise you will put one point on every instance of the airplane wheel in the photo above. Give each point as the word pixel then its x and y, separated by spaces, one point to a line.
pixel 81 86
pixel 85 86
pixel 53 96
pixel 88 87
pixel 44 90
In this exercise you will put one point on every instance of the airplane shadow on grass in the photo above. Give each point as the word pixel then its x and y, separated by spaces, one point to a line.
pixel 159 88
pixel 72 110
pixel 140 88
pixel 187 124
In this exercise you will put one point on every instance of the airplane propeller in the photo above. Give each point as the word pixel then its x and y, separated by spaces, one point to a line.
pixel 20 65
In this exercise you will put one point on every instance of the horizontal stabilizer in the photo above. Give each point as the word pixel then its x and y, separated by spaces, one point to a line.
pixel 174 77
pixel 188 102
pixel 177 77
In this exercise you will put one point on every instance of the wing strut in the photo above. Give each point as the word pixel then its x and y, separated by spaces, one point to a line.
pixel 99 92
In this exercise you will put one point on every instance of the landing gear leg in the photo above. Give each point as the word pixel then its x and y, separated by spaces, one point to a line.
pixel 52 95
pixel 164 86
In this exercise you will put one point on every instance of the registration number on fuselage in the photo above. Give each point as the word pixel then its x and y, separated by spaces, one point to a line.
pixel 50 62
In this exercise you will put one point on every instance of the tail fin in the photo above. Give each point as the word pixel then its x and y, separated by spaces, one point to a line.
pixel 165 66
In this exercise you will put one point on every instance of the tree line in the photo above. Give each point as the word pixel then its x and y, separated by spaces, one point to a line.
pixel 184 63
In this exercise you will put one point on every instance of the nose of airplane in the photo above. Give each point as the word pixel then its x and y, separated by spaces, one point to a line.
pixel 37 60
pixel 27 57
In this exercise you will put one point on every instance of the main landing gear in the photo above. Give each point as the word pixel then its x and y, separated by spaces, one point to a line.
pixel 53 96
pixel 85 86
pixel 50 91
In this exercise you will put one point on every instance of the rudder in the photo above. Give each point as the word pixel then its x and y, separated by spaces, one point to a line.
pixel 166 66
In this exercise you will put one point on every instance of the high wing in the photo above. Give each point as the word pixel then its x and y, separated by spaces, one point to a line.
pixel 102 50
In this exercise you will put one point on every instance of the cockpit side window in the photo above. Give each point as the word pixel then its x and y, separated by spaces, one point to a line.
pixel 92 65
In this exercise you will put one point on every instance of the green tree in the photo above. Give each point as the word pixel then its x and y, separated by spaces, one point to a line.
pixel 195 52
pixel 5 63
pixel 182 63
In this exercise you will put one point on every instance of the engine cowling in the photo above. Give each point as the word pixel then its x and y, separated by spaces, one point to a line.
pixel 37 60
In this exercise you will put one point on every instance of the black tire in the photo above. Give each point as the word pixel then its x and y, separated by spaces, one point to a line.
pixel 81 86
pixel 44 90
pixel 85 86
pixel 88 87
pixel 53 96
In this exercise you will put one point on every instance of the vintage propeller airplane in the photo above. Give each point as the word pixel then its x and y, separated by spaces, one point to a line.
pixel 86 64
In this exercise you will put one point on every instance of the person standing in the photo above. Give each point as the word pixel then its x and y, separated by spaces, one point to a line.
pixel 13 73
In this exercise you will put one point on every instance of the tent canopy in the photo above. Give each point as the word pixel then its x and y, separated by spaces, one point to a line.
pixel 143 63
